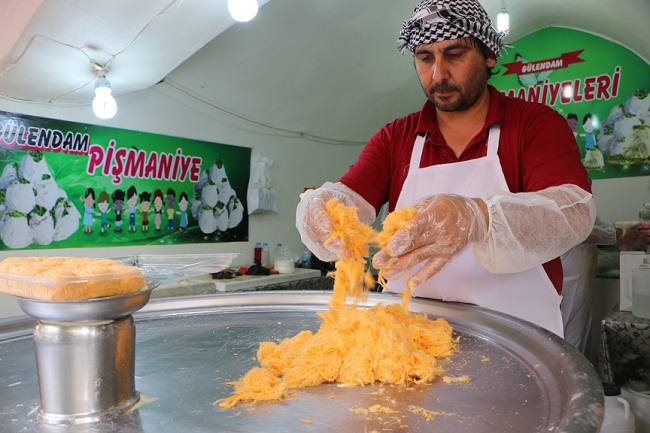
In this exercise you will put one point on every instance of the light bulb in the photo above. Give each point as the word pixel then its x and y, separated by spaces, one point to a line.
pixel 503 18
pixel 243 10
pixel 104 104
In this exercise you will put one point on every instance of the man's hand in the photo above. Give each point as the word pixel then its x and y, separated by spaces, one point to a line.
pixel 444 226
pixel 315 225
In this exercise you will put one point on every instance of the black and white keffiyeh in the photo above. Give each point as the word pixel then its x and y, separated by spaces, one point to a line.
pixel 444 20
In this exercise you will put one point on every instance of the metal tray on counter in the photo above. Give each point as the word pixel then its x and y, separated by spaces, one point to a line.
pixel 522 378
pixel 167 268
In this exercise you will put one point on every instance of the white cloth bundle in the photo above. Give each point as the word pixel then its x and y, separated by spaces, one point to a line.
pixel 261 193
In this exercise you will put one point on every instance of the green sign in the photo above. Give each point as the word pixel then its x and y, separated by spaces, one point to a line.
pixel 600 87
pixel 66 184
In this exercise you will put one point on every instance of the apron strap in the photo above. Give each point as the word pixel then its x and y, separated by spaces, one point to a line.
pixel 416 154
pixel 493 139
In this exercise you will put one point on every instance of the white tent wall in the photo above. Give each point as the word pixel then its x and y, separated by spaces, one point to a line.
pixel 621 199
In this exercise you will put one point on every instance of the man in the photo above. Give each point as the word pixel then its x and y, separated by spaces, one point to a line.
pixel 579 267
pixel 499 175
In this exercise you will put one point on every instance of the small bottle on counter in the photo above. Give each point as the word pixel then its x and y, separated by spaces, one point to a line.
pixel 284 260
pixel 306 257
pixel 257 254
pixel 266 255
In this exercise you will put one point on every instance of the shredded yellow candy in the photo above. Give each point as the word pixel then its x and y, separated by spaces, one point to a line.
pixel 450 379
pixel 394 221
pixel 350 277
pixel 405 346
pixel 427 414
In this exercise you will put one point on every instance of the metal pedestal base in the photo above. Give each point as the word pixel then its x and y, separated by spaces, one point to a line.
pixel 86 370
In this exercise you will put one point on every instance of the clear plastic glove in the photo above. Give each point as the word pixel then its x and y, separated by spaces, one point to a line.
pixel 314 225
pixel 443 228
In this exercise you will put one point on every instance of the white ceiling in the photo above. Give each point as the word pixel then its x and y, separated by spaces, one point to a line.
pixel 300 67
pixel 47 46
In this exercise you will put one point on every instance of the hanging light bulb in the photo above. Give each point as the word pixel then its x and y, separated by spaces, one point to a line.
pixel 104 104
pixel 243 10
pixel 503 18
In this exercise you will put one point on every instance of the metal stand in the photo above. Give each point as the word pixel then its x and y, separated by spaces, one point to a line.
pixel 86 370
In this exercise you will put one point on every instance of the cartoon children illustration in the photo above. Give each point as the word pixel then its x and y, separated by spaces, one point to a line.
pixel 103 205
pixel 118 205
pixel 588 126
pixel 132 201
pixel 145 208
pixel 593 156
pixel 89 205
pixel 182 205
pixel 157 205
pixel 572 120
pixel 171 202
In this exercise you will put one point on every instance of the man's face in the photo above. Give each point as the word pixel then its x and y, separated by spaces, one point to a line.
pixel 453 74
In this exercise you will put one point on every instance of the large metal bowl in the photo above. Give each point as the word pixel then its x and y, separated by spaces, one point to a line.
pixel 522 378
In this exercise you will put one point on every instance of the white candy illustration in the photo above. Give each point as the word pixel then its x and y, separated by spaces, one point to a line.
pixel 33 208
pixel 215 204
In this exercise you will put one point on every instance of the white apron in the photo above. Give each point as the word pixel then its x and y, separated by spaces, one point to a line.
pixel 529 295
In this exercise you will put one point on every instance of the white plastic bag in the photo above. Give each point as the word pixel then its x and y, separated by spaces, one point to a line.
pixel 261 193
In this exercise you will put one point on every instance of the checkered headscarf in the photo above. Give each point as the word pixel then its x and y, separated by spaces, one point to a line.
pixel 444 20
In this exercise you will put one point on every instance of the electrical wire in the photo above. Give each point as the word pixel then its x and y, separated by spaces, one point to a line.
pixel 162 14
pixel 291 133
pixel 168 10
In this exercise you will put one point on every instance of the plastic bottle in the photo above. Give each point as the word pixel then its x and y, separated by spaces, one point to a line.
pixel 284 261
pixel 306 257
pixel 266 255
pixel 638 395
pixel 618 416
pixel 257 253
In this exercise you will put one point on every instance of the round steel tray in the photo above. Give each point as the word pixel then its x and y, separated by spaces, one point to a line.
pixel 522 378
pixel 111 307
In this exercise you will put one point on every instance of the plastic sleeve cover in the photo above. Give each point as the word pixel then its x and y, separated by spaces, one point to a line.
pixel 528 229
pixel 313 223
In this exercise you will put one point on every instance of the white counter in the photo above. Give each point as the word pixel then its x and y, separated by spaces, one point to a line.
pixel 205 284
pixel 250 281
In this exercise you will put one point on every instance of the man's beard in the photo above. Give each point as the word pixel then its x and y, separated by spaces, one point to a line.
pixel 465 99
